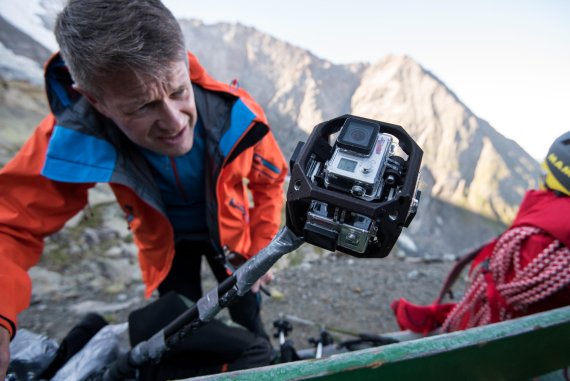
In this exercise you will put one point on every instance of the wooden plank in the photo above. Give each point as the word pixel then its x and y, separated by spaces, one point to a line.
pixel 513 350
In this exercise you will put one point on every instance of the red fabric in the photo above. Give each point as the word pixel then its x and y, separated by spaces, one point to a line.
pixel 542 209
pixel 495 299
pixel 420 319
pixel 547 211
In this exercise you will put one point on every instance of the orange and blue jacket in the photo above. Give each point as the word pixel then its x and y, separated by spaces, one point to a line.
pixel 75 147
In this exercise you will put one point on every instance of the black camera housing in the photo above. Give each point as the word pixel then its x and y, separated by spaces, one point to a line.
pixel 307 195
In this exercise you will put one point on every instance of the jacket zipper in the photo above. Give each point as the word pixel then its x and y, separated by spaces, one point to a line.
pixel 177 178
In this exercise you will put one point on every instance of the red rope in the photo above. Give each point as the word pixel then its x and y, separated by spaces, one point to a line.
pixel 501 288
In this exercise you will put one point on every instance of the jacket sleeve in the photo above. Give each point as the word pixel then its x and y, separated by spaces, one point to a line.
pixel 31 207
pixel 266 179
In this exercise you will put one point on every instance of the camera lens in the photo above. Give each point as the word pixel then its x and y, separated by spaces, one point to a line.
pixel 358 135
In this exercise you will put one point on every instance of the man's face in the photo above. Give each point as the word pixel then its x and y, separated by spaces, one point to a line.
pixel 157 114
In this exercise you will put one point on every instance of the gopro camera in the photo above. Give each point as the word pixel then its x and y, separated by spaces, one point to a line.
pixel 354 193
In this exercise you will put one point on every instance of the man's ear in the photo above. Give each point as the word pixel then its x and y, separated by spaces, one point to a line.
pixel 99 106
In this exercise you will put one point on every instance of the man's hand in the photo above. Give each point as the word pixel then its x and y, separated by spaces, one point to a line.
pixel 4 351
pixel 264 280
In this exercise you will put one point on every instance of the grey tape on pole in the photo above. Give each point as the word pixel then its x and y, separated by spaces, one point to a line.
pixel 150 349
pixel 284 242
pixel 208 305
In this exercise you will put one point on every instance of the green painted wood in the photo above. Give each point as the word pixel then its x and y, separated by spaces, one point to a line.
pixel 518 349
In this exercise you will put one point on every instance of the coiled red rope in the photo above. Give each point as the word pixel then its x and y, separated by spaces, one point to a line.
pixel 501 288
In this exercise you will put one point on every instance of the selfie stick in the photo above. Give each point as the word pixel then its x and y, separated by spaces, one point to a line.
pixel 205 309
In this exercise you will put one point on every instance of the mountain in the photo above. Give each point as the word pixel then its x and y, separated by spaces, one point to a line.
pixel 473 178
pixel 297 89
pixel 466 161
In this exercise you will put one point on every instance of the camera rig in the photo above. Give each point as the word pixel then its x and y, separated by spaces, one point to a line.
pixel 355 195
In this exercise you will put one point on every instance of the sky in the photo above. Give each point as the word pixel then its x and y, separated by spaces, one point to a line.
pixel 508 61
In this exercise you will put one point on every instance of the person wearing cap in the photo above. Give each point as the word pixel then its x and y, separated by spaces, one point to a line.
pixel 523 271
pixel 132 108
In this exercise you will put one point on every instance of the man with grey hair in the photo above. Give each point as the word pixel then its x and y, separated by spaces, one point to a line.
pixel 131 108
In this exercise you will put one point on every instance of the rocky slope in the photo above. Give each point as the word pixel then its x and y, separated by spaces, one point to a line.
pixel 91 267
pixel 22 106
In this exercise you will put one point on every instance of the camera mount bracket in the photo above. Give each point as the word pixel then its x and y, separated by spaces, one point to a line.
pixel 389 216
